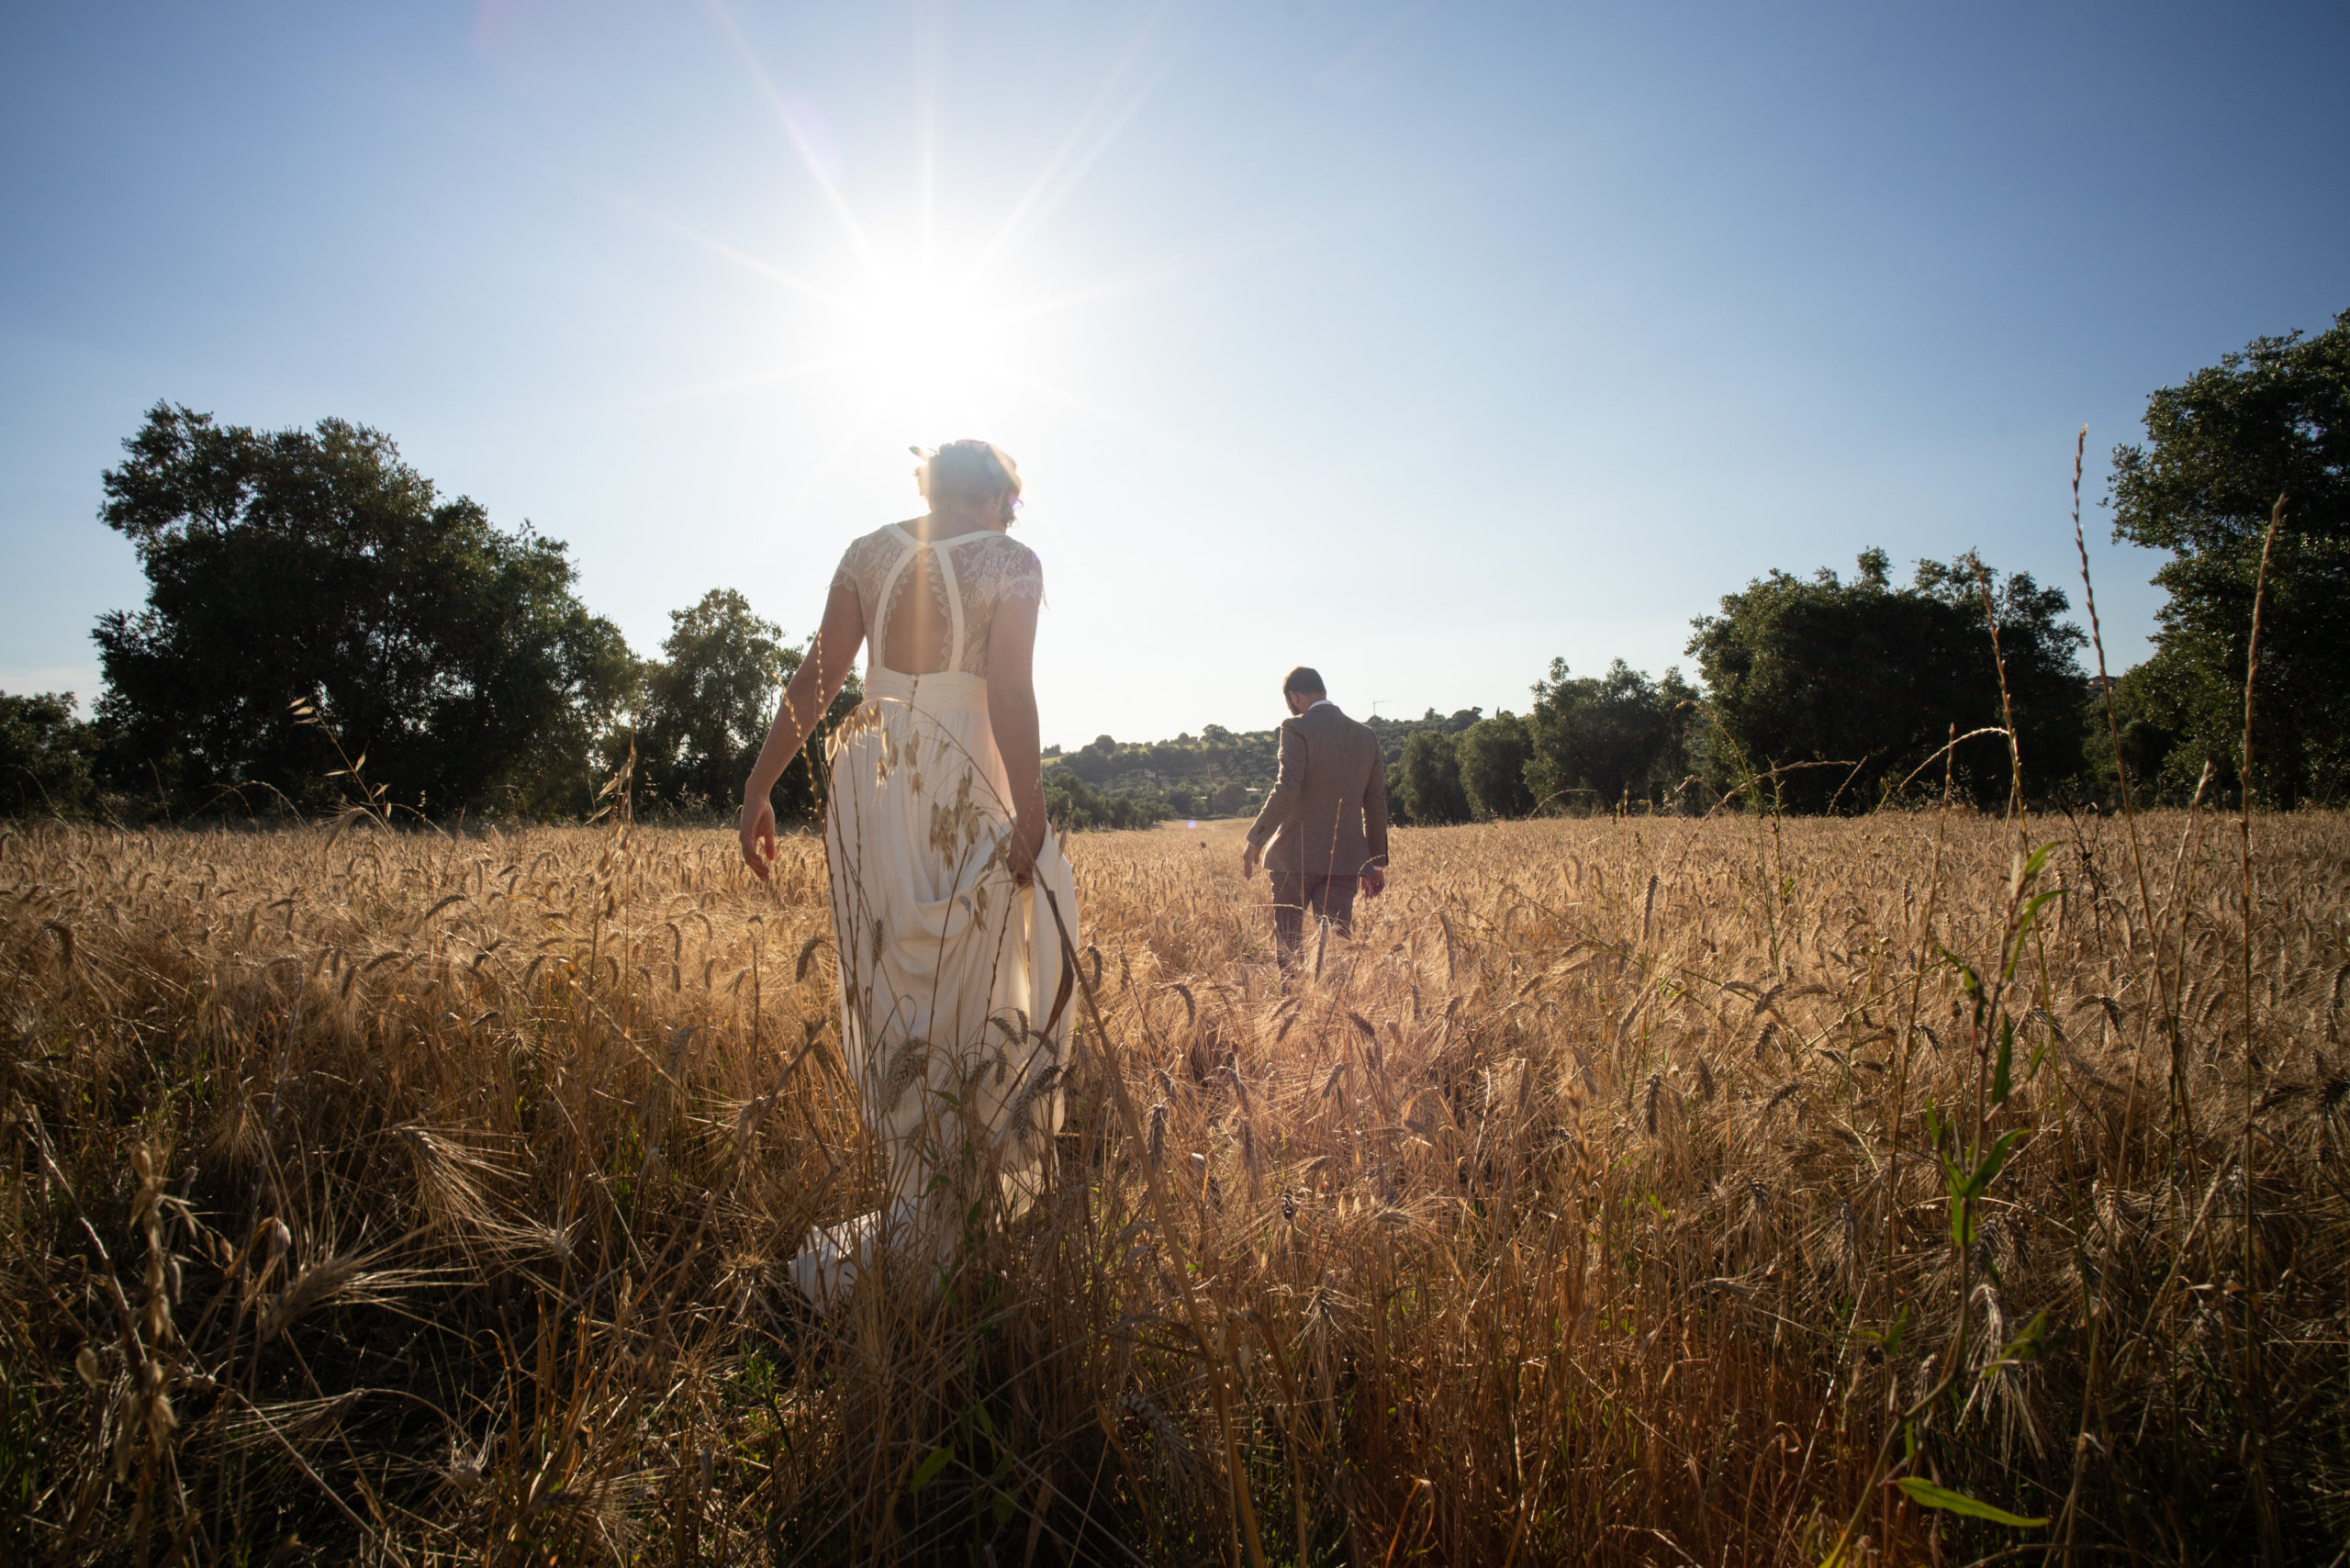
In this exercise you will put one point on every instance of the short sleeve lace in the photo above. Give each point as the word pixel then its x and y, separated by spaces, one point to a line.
pixel 865 564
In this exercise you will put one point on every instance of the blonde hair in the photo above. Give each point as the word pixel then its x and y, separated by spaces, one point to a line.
pixel 965 471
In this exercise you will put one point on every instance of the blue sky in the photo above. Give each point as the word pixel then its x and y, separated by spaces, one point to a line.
pixel 1421 343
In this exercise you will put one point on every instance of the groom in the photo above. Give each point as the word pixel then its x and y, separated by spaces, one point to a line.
pixel 1323 829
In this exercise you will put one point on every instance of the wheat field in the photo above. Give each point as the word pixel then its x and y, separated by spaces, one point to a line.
pixel 420 1198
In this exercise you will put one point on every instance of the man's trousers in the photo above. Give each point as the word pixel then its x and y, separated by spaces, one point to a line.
pixel 1296 893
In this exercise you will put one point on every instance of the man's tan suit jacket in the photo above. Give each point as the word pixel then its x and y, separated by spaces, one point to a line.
pixel 1327 813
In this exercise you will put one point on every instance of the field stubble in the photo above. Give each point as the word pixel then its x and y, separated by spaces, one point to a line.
pixel 427 1198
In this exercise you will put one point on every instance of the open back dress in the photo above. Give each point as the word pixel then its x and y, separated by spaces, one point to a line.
pixel 955 999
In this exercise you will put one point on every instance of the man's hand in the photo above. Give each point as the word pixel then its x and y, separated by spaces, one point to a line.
pixel 1374 882
pixel 1251 857
pixel 757 828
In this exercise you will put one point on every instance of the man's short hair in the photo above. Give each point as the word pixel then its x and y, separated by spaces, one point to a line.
pixel 1303 679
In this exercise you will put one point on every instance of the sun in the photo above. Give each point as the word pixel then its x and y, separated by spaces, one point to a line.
pixel 941 334
pixel 917 334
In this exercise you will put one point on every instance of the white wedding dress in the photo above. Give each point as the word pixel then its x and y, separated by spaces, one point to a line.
pixel 956 1005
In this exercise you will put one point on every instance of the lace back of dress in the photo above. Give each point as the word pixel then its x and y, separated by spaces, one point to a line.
pixel 918 616
pixel 929 609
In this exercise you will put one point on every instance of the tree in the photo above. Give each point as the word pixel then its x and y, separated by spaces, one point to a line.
pixel 1850 687
pixel 708 703
pixel 1596 742
pixel 2221 448
pixel 45 753
pixel 1074 806
pixel 1493 754
pixel 316 565
pixel 2147 737
pixel 1094 761
pixel 1430 776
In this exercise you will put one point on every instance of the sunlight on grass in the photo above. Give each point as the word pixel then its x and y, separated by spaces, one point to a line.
pixel 437 1190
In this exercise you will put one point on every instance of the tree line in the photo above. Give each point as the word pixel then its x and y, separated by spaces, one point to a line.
pixel 1831 692
pixel 319 621
pixel 1219 772
pixel 1820 694
pixel 322 626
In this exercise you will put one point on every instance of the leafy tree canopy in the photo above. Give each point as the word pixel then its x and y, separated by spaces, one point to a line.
pixel 1492 755
pixel 454 657
pixel 1428 781
pixel 2221 448
pixel 45 755
pixel 707 703
pixel 1850 686
pixel 1075 806
pixel 1600 742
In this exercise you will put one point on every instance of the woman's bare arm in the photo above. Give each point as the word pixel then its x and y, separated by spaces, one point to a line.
pixel 1011 713
pixel 814 686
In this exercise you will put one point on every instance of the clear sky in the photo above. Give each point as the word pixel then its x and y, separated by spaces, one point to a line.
pixel 1420 342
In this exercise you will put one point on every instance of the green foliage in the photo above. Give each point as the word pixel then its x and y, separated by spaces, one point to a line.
pixel 1223 772
pixel 1219 773
pixel 1093 762
pixel 1599 742
pixel 1966 1186
pixel 1394 734
pixel 707 703
pixel 2143 719
pixel 453 656
pixel 1430 777
pixel 1852 687
pixel 927 1470
pixel 1074 806
pixel 1399 809
pixel 1925 1493
pixel 45 756
pixel 2273 419
pixel 1969 1178
pixel 1492 756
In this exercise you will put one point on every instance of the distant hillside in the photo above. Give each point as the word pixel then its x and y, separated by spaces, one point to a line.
pixel 1217 772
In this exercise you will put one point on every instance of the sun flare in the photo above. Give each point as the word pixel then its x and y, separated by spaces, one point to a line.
pixel 917 334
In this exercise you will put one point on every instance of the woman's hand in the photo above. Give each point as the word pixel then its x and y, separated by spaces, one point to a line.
pixel 1027 843
pixel 813 685
pixel 758 834
pixel 1011 714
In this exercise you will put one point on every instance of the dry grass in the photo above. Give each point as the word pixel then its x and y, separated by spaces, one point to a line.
pixel 427 1199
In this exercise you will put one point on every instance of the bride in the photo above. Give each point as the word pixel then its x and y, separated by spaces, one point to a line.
pixel 949 890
